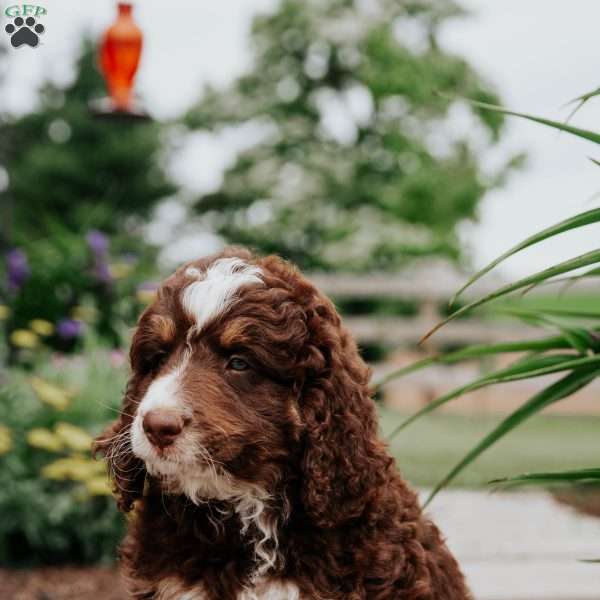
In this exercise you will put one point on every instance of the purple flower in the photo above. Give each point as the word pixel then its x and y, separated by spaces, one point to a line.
pixel 67 329
pixel 17 268
pixel 102 271
pixel 98 242
pixel 148 286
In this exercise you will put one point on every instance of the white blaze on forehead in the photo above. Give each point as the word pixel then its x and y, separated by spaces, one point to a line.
pixel 162 393
pixel 207 298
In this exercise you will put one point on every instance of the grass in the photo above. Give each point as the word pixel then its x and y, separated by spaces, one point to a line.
pixel 427 450
pixel 566 301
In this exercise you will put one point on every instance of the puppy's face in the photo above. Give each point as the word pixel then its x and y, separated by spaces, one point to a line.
pixel 214 388
pixel 244 386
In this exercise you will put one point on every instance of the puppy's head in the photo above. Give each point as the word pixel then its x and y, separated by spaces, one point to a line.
pixel 242 382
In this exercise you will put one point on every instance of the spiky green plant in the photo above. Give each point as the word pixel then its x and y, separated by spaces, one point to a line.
pixel 573 352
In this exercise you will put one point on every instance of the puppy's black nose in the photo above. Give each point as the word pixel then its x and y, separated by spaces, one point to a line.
pixel 162 427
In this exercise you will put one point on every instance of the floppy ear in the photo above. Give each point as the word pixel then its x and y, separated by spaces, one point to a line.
pixel 114 443
pixel 344 463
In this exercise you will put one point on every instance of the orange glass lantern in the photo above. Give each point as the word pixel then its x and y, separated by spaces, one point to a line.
pixel 119 58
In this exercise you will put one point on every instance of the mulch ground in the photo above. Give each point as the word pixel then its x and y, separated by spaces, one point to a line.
pixel 585 501
pixel 65 583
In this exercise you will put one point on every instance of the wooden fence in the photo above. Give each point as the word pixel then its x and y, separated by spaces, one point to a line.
pixel 430 289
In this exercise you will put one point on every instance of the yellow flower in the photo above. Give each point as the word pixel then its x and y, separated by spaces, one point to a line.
pixel 44 439
pixel 5 440
pixel 120 270
pixel 84 313
pixel 99 486
pixel 146 296
pixel 73 437
pixel 41 327
pixel 23 338
pixel 4 312
pixel 75 468
pixel 50 394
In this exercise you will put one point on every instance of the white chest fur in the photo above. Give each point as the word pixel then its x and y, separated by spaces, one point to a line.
pixel 272 591
pixel 264 589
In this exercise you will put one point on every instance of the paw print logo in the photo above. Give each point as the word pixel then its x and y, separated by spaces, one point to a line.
pixel 24 31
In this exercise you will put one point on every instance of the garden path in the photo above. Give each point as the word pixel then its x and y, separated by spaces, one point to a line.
pixel 520 546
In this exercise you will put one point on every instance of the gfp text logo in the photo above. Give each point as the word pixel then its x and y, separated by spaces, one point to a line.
pixel 24 29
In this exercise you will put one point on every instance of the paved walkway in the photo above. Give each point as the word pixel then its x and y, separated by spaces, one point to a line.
pixel 520 546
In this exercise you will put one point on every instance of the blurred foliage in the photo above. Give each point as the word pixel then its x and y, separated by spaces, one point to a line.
pixel 351 158
pixel 70 284
pixel 65 165
pixel 55 501
pixel 79 191
pixel 404 307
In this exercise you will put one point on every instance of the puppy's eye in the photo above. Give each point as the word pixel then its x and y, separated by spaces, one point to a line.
pixel 159 358
pixel 152 361
pixel 237 364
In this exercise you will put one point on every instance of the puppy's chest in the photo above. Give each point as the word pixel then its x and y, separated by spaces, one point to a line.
pixel 171 589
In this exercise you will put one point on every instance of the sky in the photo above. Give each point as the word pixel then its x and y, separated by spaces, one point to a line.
pixel 539 54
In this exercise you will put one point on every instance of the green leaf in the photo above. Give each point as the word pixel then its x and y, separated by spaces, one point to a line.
pixel 564 267
pixel 573 476
pixel 567 281
pixel 570 313
pixel 476 351
pixel 580 220
pixel 586 134
pixel 566 386
pixel 581 100
pixel 579 338
pixel 522 369
pixel 585 97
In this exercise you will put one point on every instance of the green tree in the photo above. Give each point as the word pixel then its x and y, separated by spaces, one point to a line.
pixel 80 188
pixel 392 183
pixel 67 167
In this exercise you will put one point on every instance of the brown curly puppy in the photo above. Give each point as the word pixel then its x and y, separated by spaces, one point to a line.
pixel 248 447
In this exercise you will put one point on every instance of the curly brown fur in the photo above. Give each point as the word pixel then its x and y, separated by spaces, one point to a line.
pixel 279 478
